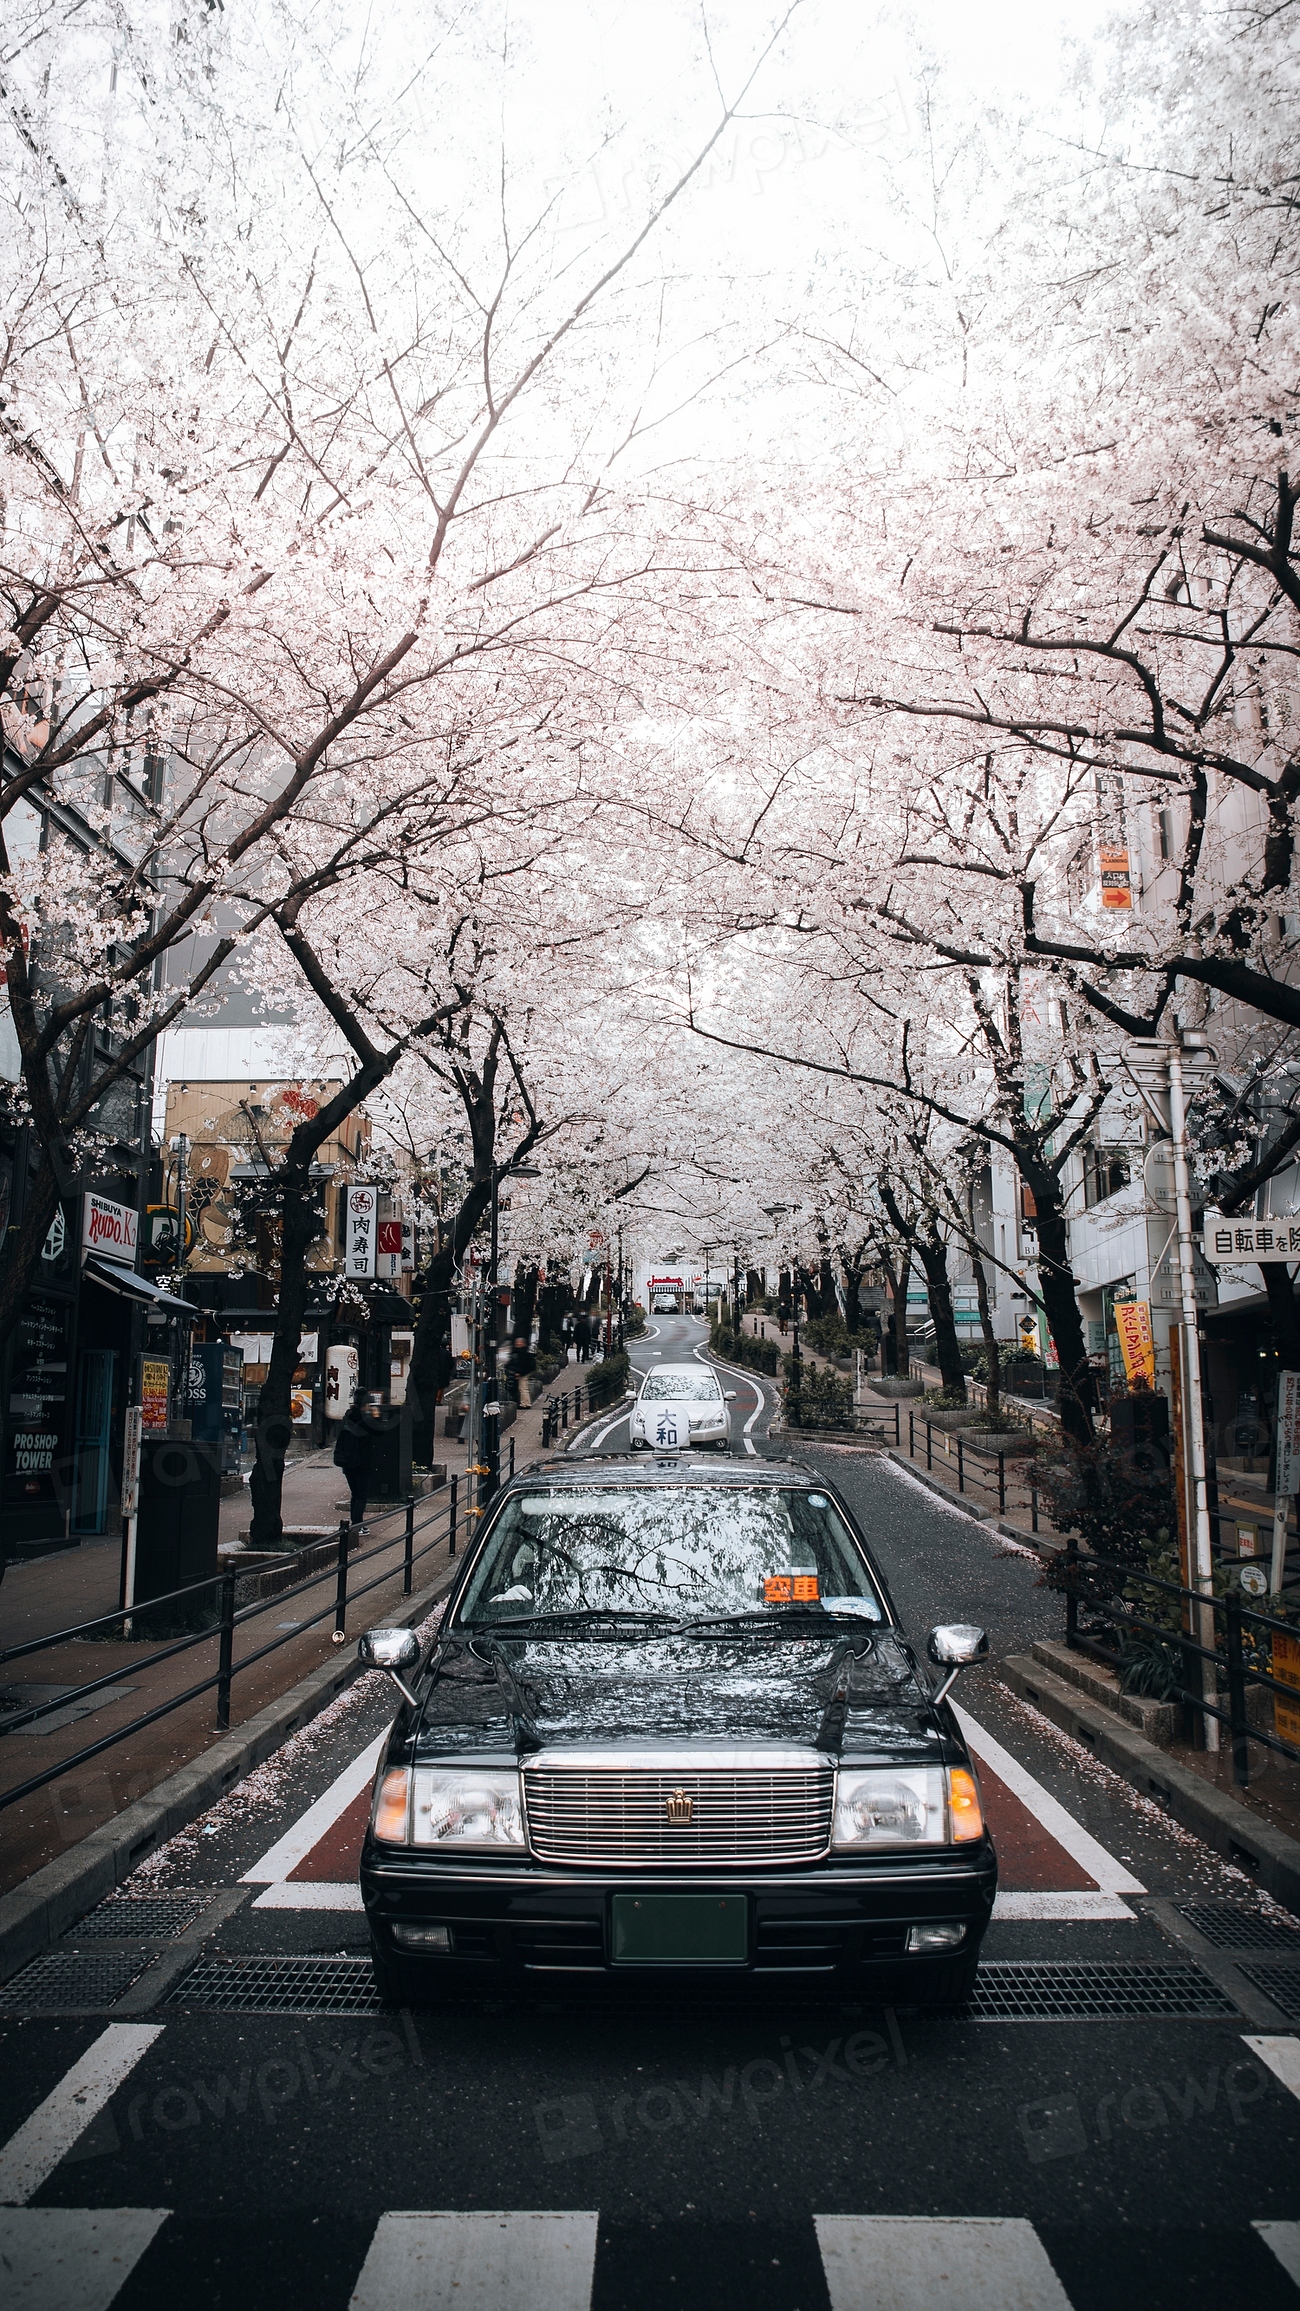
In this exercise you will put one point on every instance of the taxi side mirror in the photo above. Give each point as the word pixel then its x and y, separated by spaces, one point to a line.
pixel 729 1395
pixel 393 1651
pixel 954 1646
pixel 629 1396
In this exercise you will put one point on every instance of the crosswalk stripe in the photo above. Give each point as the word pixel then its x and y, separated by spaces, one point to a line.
pixel 54 2256
pixel 944 2263
pixel 1282 2056
pixel 309 1894
pixel 1284 2241
pixel 34 2152
pixel 478 2262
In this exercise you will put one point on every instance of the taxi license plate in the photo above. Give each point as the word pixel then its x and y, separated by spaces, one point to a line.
pixel 680 1929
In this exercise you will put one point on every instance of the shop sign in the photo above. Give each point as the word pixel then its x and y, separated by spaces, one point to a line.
pixel 1286 1668
pixel 362 1220
pixel 131 1460
pixel 1133 1324
pixel 108 1227
pixel 342 1372
pixel 155 1394
pixel 1288 1433
pixel 1263 1241
pixel 38 1401
pixel 388 1248
pixel 1116 884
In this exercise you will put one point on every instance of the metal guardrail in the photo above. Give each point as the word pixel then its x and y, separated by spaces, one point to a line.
pixel 1240 1623
pixel 557 1409
pixel 221 1630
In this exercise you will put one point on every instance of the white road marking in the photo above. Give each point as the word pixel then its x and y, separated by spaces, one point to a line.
pixel 608 1430
pixel 55 2256
pixel 1077 1905
pixel 30 2156
pixel 945 2263
pixel 311 1826
pixel 1282 2056
pixel 1284 2241
pixel 718 1365
pixel 455 2262
pixel 309 1894
pixel 1110 1875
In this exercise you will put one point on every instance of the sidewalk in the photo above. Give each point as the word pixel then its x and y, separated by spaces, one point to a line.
pixel 62 1590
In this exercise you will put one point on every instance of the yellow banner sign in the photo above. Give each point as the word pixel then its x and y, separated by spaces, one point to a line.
pixel 1286 1668
pixel 1133 1324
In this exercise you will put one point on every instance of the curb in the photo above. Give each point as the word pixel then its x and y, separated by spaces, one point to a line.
pixel 1267 1855
pixel 34 1914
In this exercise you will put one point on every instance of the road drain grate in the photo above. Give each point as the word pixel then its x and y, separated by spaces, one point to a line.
pixel 1229 1927
pixel 1076 1990
pixel 281 1986
pixel 128 1917
pixel 64 1980
pixel 1280 1983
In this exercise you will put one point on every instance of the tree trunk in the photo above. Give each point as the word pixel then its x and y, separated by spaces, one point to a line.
pixel 934 1260
pixel 898 1294
pixel 991 1348
pixel 1060 1301
pixel 300 1220
pixel 852 1302
pixel 431 1364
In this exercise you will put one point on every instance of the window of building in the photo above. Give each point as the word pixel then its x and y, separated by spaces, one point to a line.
pixel 1105 1171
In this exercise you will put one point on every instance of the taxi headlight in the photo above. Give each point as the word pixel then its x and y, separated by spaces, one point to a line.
pixel 467 1807
pixel 891 1806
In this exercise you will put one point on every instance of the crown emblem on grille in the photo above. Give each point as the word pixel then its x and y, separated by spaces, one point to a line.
pixel 678 1807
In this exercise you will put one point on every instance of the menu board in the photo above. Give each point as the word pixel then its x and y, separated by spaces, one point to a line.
pixel 36 1430
pixel 155 1394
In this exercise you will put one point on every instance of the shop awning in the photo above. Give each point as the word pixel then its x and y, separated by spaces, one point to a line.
pixel 136 1287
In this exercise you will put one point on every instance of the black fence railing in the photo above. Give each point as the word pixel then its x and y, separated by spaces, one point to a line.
pixel 1007 1479
pixel 559 1412
pixel 1249 1637
pixel 442 1523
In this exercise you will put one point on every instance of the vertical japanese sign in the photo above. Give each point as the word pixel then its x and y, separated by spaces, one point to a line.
pixel 1136 1346
pixel 1116 885
pixel 388 1248
pixel 362 1225
pixel 155 1393
pixel 1286 1668
pixel 1287 1476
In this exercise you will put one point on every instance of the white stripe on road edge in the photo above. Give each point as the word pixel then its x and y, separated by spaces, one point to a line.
pixel 1282 2056
pixel 311 1826
pixel 32 2154
pixel 608 1430
pixel 1077 1905
pixel 739 1374
pixel 309 1894
pixel 55 2256
pixel 452 2262
pixel 1111 1876
pixel 916 2263
pixel 1284 2241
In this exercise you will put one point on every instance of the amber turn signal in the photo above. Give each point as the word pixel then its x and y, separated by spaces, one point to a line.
pixel 391 1807
pixel 964 1805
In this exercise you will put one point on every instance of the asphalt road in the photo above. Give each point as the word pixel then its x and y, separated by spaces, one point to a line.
pixel 794 2157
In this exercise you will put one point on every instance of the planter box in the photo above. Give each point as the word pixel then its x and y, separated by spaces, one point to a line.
pixel 1004 1440
pixel 950 1422
pixel 892 1390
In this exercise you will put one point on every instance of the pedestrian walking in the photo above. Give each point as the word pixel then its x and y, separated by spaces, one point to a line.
pixel 354 1448
pixel 582 1338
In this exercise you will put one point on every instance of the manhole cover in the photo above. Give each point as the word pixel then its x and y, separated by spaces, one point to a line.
pixel 281 1986
pixel 1280 1983
pixel 126 1917
pixel 1076 1990
pixel 1231 1928
pixel 64 1980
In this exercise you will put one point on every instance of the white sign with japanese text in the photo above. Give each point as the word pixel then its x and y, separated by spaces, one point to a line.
pixel 1260 1241
pixel 363 1218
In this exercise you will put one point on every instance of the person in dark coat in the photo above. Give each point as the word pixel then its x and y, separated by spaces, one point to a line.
pixel 354 1448
pixel 582 1338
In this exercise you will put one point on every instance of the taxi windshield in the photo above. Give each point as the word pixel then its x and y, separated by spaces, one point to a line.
pixel 679 1387
pixel 687 1551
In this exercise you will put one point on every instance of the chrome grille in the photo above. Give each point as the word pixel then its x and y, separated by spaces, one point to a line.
pixel 619 1815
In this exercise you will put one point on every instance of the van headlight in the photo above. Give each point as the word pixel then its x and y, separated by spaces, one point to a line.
pixel 891 1806
pixel 441 1806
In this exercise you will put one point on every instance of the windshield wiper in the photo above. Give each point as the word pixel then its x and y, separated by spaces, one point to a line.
pixel 775 1617
pixel 576 1619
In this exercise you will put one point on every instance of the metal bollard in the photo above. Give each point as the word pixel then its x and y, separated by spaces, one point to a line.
pixel 512 1456
pixel 341 1589
pixel 1071 1586
pixel 409 1549
pixel 1002 1484
pixel 451 1527
pixel 929 1445
pixel 564 1409
pixel 961 1467
pixel 226 1654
